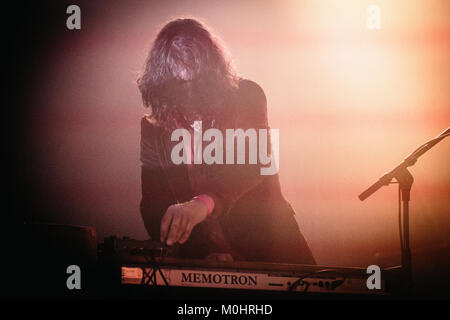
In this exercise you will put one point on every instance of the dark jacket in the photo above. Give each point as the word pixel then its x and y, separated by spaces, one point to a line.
pixel 251 220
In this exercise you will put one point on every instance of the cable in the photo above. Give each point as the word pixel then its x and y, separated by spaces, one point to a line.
pixel 334 284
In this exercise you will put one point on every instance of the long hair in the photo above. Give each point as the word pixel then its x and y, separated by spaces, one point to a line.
pixel 187 76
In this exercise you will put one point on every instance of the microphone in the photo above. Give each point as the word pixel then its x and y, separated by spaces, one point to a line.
pixel 409 161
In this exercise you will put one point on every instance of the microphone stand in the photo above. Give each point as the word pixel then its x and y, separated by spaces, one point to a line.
pixel 405 181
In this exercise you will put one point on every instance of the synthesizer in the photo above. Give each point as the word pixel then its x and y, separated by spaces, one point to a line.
pixel 149 264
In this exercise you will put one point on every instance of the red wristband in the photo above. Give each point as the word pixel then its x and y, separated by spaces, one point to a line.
pixel 208 201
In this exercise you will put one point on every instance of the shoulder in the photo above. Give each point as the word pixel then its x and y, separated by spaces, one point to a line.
pixel 252 92
pixel 148 126
pixel 253 105
pixel 146 120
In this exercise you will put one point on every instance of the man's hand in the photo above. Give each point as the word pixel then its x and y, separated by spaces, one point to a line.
pixel 179 220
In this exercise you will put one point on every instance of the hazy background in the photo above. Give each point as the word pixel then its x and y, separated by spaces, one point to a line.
pixel 350 103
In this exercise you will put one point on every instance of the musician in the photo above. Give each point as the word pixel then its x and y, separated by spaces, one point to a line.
pixel 214 211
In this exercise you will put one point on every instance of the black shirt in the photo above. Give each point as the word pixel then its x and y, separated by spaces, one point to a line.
pixel 252 221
